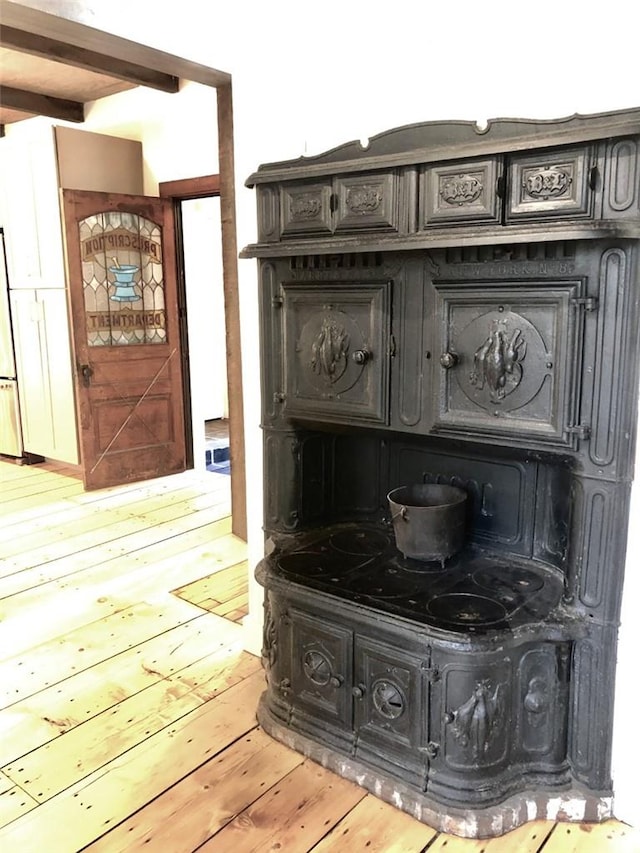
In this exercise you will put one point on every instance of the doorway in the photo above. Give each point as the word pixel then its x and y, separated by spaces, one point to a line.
pixel 210 326
pixel 206 331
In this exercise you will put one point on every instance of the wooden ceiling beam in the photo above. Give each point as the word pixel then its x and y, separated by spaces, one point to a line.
pixel 117 49
pixel 79 57
pixel 189 188
pixel 44 105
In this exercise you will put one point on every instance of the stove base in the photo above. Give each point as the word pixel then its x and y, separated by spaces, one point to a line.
pixel 570 804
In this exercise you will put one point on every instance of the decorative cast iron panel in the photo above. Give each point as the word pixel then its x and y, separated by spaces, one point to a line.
pixel 507 359
pixel 336 352
pixel 367 202
pixel 557 184
pixel 269 651
pixel 475 709
pixel 268 210
pixel 609 368
pixel 543 701
pixel 623 186
pixel 306 208
pixel 501 492
pixel 460 192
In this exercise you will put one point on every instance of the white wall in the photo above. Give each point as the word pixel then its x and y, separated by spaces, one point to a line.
pixel 308 76
pixel 179 133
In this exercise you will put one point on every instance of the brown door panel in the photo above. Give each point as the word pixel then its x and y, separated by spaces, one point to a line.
pixel 124 307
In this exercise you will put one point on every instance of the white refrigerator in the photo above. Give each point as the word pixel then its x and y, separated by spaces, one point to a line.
pixel 10 432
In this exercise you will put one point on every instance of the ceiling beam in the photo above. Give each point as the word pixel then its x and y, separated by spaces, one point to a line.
pixel 69 54
pixel 44 105
pixel 73 34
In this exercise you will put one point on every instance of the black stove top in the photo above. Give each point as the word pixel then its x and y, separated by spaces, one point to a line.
pixel 472 592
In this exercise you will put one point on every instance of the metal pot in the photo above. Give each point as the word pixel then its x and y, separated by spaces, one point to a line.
pixel 428 520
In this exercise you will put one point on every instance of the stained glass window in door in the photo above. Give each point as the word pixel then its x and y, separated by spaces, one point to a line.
pixel 123 279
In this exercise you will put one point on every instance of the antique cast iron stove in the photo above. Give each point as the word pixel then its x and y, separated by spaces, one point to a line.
pixel 454 307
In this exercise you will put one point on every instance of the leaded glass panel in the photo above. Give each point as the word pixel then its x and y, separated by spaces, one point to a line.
pixel 123 279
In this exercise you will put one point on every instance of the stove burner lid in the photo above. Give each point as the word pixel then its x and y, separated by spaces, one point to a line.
pixel 360 543
pixel 314 563
pixel 466 609
pixel 383 583
pixel 512 579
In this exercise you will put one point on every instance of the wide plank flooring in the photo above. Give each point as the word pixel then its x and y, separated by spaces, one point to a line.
pixel 127 703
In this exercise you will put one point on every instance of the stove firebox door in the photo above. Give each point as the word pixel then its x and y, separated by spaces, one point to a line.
pixel 336 351
pixel 390 700
pixel 321 668
pixel 508 356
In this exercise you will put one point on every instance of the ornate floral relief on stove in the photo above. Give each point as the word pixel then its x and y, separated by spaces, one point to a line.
pixel 479 719
pixel 363 200
pixel 305 206
pixel 269 652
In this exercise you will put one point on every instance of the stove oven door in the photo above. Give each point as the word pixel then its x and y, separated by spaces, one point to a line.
pixel 336 351
pixel 472 725
pixel 508 357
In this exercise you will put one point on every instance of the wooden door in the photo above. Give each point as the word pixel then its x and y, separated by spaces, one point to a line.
pixel 127 352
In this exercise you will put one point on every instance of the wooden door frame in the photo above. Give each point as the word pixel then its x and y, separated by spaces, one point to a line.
pixel 201 187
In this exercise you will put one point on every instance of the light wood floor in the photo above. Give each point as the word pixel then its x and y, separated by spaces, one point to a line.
pixel 127 706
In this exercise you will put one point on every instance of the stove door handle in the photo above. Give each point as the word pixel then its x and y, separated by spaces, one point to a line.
pixel 448 360
pixel 361 356
pixel 431 750
pixel 359 691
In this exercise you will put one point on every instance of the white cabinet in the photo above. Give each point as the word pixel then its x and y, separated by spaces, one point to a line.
pixel 45 378
pixel 35 163
pixel 33 225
